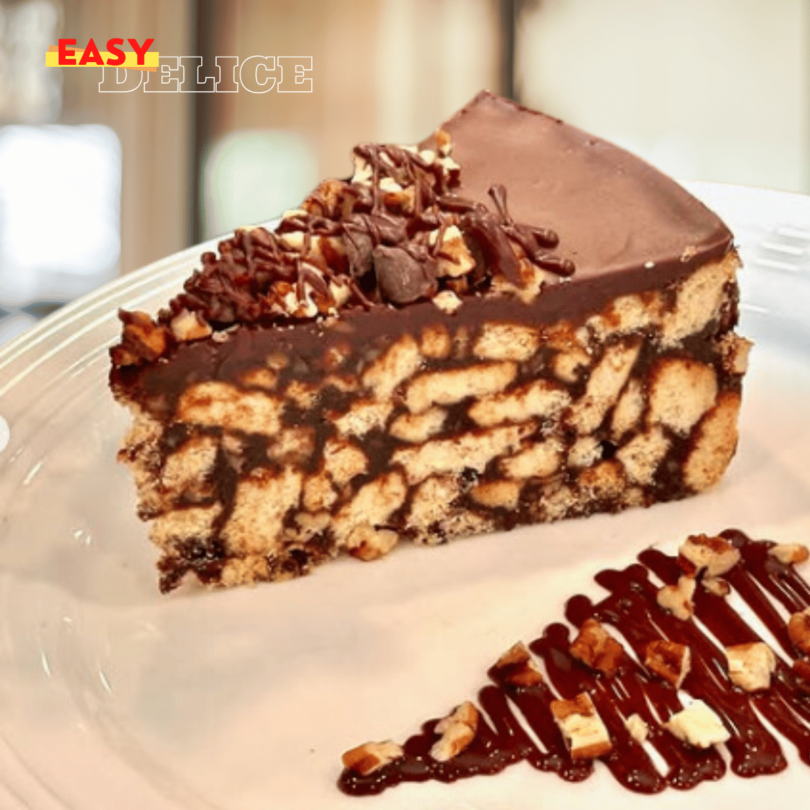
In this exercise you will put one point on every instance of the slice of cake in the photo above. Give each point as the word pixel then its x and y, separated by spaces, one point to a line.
pixel 511 322
pixel 651 681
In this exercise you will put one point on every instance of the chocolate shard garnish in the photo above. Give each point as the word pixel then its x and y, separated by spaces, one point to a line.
pixel 734 695
pixel 510 322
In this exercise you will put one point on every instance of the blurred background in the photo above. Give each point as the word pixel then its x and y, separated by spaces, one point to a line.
pixel 96 183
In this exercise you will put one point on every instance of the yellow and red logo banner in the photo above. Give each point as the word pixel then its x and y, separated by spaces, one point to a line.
pixel 66 54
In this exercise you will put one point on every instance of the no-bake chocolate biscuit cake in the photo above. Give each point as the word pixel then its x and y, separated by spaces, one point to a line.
pixel 511 322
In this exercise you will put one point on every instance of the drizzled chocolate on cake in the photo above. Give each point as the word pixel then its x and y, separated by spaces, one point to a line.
pixel 510 322
pixel 654 679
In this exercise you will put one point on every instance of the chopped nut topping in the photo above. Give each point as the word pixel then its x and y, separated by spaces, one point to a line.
pixel 454 258
pixel 457 731
pixel 698 725
pixel 799 630
pixel 585 734
pixel 714 554
pixel 678 598
pixel 517 668
pixel 371 757
pixel 142 340
pixel 447 301
pixel 750 666
pixel 188 326
pixel 790 553
pixel 394 234
pixel 668 660
pixel 443 142
pixel 596 648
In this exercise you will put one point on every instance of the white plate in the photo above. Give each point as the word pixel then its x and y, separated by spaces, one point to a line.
pixel 112 696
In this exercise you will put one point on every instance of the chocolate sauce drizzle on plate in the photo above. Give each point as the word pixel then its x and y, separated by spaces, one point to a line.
pixel 760 580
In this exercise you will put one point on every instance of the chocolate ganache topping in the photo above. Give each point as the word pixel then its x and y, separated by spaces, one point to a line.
pixel 501 201
pixel 683 632
pixel 395 233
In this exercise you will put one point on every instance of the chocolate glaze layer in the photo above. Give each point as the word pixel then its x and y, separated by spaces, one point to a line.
pixel 613 212
pixel 759 579
pixel 525 179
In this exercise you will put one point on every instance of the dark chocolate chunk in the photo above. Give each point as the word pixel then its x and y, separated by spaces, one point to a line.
pixel 400 277
pixel 358 251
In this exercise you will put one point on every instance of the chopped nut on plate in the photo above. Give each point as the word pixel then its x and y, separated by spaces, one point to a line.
pixel 637 727
pixel 698 725
pixel 750 666
pixel 790 553
pixel 457 731
pixel 371 756
pixel 596 648
pixel 715 555
pixel 799 630
pixel 716 585
pixel 668 660
pixel 678 598
pixel 517 668
pixel 580 724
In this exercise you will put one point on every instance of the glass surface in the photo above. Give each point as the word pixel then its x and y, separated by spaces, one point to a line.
pixel 114 696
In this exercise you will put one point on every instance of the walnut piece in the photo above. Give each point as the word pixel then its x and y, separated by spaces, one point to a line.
pixel 668 660
pixel 141 339
pixel 750 666
pixel 799 630
pixel 596 648
pixel 790 553
pixel 637 727
pixel 447 301
pixel 678 598
pixel 715 555
pixel 454 258
pixel 517 668
pixel 581 726
pixel 371 756
pixel 698 725
pixel 187 326
pixel 457 732
pixel 716 585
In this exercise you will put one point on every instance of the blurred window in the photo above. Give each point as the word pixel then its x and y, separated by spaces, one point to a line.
pixel 704 90
pixel 30 93
pixel 252 176
pixel 60 185
pixel 60 188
